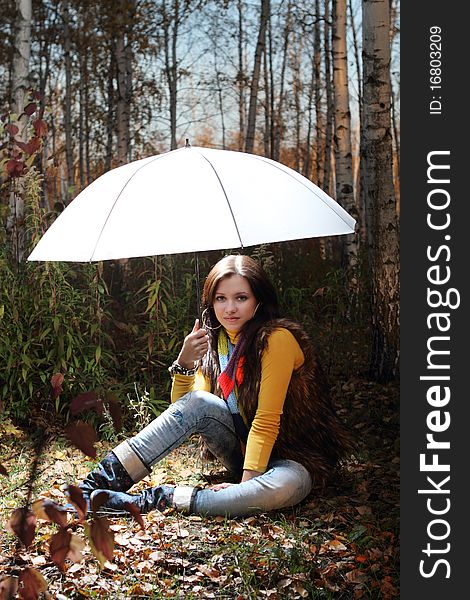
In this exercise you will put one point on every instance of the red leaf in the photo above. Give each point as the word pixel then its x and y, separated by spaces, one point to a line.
pixel 83 436
pixel 40 127
pixel 15 167
pixel 3 471
pixel 33 584
pixel 56 381
pixel 76 497
pixel 8 588
pixel 132 508
pixel 59 547
pixel 30 108
pixel 86 401
pixel 23 524
pixel 102 540
pixel 22 145
pixel 11 128
pixel 33 145
pixel 98 500
pixel 36 95
pixel 50 511
pixel 115 411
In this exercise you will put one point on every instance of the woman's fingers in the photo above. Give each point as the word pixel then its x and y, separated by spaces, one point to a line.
pixel 220 486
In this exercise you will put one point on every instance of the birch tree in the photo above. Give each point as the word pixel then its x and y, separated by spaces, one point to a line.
pixel 342 137
pixel 329 100
pixel 68 99
pixel 21 56
pixel 260 48
pixel 124 58
pixel 20 83
pixel 378 191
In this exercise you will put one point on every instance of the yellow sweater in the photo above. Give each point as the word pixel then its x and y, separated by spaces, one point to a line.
pixel 282 356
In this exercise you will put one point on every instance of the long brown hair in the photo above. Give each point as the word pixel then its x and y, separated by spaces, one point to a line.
pixel 263 290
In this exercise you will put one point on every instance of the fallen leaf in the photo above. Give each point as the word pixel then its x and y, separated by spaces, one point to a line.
pixel 364 510
pixel 356 576
pixel 334 545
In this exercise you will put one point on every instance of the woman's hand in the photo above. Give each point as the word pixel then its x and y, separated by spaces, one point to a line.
pixel 249 474
pixel 195 346
pixel 220 486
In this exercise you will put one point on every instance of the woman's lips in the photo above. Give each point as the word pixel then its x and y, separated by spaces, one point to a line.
pixel 231 319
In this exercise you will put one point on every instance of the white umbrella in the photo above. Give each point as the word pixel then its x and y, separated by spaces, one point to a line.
pixel 188 200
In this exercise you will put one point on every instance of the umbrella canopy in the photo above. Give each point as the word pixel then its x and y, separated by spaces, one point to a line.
pixel 189 200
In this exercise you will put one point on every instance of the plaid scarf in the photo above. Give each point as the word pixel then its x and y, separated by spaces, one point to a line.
pixel 231 360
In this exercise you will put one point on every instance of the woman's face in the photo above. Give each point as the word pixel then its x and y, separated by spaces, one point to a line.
pixel 234 302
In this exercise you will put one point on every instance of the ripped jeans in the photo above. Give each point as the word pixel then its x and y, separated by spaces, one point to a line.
pixel 285 483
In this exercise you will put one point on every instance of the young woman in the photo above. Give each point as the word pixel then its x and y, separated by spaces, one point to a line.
pixel 249 383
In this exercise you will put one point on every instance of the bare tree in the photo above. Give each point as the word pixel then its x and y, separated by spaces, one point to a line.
pixel 378 190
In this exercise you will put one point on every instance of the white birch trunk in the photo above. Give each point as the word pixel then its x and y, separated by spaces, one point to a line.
pixel 377 187
pixel 15 225
pixel 342 137
pixel 21 56
pixel 260 48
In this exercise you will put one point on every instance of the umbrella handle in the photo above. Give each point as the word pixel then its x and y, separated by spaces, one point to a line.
pixel 198 280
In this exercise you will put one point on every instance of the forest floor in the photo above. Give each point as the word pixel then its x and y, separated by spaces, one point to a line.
pixel 343 544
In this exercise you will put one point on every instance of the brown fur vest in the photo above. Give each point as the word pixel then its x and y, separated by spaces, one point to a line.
pixel 310 431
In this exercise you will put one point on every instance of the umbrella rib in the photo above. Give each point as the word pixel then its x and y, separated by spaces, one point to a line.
pixel 226 197
pixel 119 195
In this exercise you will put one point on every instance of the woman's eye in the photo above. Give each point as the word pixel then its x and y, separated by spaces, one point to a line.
pixel 219 298
pixel 243 298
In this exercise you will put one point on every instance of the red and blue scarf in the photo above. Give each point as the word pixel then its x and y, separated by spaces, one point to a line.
pixel 231 360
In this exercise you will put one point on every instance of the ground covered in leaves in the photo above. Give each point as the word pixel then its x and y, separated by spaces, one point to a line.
pixel 342 545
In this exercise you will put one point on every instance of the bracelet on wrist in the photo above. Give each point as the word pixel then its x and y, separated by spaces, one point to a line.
pixel 177 369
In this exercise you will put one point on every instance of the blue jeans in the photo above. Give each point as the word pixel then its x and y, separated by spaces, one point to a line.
pixel 285 483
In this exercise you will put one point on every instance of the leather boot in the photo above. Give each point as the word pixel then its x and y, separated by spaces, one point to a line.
pixel 109 474
pixel 159 498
